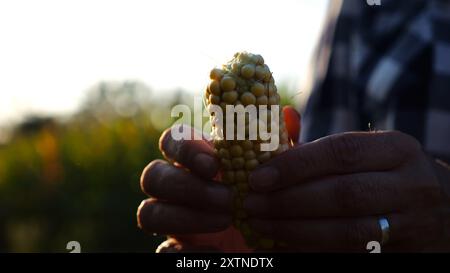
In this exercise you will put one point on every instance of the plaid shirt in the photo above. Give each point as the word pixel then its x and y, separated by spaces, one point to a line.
pixel 387 65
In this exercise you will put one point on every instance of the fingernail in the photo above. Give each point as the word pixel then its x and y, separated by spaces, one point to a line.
pixel 264 178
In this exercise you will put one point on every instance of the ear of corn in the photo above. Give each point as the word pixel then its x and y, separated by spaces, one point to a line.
pixel 245 80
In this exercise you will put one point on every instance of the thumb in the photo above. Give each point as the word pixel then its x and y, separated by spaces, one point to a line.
pixel 292 120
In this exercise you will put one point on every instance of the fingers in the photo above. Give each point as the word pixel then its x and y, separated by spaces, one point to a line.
pixel 167 182
pixel 292 121
pixel 338 196
pixel 413 232
pixel 337 154
pixel 321 235
pixel 157 217
pixel 196 155
pixel 346 234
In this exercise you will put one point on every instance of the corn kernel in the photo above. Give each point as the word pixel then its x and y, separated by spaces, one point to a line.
pixel 245 80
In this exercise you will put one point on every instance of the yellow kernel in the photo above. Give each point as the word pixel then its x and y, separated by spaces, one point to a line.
pixel 250 165
pixel 260 72
pixel 218 143
pixel 249 155
pixel 236 151
pixel 238 163
pixel 227 84
pixel 243 187
pixel 262 100
pixel 260 59
pixel 267 75
pixel 235 68
pixel 274 100
pixel 214 99
pixel 214 87
pixel 258 89
pixel 247 71
pixel 230 97
pixel 226 164
pixel 216 74
pixel 248 99
pixel 271 90
pixel 228 177
pixel 247 145
pixel 241 176
pixel 254 58
pixel 223 153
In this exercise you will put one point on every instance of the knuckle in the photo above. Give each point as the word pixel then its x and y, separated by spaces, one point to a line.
pixel 345 150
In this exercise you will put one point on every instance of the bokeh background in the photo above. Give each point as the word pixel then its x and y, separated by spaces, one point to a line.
pixel 86 88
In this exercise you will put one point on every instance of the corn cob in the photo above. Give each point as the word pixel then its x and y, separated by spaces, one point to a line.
pixel 245 80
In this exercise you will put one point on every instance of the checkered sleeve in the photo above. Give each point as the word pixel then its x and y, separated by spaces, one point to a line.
pixel 387 66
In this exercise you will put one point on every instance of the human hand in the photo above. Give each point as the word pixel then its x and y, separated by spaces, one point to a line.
pixel 186 203
pixel 328 195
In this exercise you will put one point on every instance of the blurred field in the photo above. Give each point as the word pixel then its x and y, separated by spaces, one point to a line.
pixel 77 178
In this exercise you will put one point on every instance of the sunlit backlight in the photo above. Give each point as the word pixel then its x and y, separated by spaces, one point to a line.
pixel 53 51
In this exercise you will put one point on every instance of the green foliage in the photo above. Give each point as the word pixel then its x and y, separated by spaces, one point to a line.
pixel 78 179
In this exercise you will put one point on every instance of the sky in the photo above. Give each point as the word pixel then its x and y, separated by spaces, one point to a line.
pixel 53 51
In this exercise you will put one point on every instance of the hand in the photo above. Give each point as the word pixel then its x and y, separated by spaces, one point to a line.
pixel 185 199
pixel 186 202
pixel 328 195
